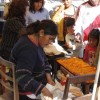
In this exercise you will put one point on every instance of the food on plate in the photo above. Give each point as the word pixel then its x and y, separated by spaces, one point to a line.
pixel 77 66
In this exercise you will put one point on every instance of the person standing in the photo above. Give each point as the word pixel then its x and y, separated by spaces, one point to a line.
pixel 67 9
pixel 15 22
pixel 73 42
pixel 36 12
pixel 87 18
pixel 91 47
pixel 50 5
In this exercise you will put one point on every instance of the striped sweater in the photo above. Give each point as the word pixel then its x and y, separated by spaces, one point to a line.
pixel 10 35
pixel 31 66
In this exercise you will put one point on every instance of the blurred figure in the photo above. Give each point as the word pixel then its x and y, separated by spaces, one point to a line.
pixel 97 53
pixel 88 18
pixel 51 5
pixel 91 47
pixel 73 42
pixel 15 22
pixel 60 17
pixel 36 12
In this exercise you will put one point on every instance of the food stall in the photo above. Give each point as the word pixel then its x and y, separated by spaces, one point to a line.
pixel 79 72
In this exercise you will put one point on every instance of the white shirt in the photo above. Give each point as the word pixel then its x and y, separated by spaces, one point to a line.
pixel 87 19
pixel 76 47
pixel 51 5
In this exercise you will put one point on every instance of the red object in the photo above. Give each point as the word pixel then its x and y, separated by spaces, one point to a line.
pixel 63 82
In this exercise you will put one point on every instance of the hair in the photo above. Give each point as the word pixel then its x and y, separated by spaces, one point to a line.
pixel 33 28
pixel 49 27
pixel 70 21
pixel 94 33
pixel 32 8
pixel 17 8
pixel 93 3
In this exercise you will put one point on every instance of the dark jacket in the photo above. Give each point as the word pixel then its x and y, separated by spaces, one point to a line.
pixel 10 35
pixel 31 66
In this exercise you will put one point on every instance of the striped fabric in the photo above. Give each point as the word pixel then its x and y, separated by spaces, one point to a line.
pixel 10 35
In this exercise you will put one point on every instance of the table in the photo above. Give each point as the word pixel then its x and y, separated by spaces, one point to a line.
pixel 84 73
pixel 52 59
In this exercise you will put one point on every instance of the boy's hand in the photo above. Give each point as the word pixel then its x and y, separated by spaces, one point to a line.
pixel 78 38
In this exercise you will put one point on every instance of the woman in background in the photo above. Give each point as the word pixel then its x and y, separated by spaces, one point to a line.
pixel 36 12
pixel 15 22
pixel 85 20
pixel 67 9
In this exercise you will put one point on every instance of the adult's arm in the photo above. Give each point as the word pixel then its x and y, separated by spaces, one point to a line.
pixel 25 59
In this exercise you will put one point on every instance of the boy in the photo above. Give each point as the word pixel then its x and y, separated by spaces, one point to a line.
pixel 73 42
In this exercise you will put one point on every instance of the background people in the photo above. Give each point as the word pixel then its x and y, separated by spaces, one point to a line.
pixel 73 42
pixel 15 21
pixel 91 47
pixel 51 5
pixel 88 18
pixel 32 68
pixel 36 12
pixel 60 17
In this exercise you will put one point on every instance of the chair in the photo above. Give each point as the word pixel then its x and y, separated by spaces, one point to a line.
pixel 5 66
pixel 75 80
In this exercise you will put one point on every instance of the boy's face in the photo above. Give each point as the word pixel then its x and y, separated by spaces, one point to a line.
pixel 70 29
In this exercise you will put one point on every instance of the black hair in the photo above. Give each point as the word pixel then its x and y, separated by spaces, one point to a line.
pixel 94 33
pixel 70 21
pixel 33 28
pixel 17 9
pixel 32 8
pixel 49 27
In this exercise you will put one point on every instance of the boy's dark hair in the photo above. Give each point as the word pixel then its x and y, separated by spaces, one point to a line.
pixel 94 33
pixel 70 21
pixel 32 8
pixel 49 27
pixel 33 28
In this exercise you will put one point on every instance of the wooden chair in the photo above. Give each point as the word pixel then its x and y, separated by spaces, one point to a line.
pixel 5 78
pixel 75 80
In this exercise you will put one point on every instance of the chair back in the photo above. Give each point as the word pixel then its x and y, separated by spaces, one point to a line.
pixel 77 80
pixel 5 66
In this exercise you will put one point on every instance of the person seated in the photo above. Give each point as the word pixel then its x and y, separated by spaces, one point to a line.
pixel 32 67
